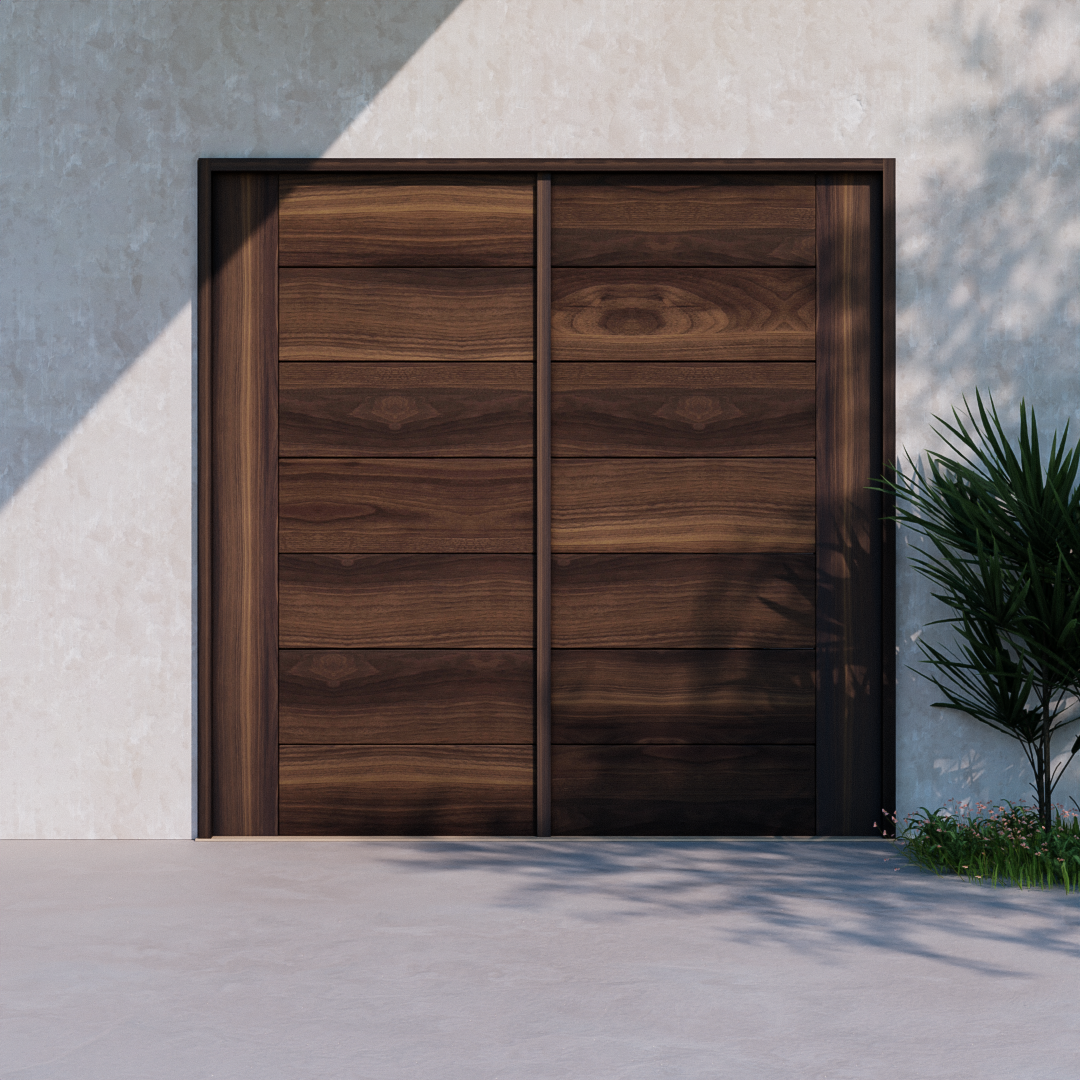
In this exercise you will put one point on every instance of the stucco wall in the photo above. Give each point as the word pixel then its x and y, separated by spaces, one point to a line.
pixel 107 105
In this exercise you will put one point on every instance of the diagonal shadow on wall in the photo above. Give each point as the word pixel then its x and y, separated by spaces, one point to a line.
pixel 104 109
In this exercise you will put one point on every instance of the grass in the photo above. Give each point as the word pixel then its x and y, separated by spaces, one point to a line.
pixel 998 844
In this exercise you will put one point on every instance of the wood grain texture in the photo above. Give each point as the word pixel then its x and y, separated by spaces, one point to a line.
pixel 682 790
pixel 683 410
pixel 678 220
pixel 849 530
pixel 543 505
pixel 406 315
pixel 405 601
pixel 379 505
pixel 398 219
pixel 682 504
pixel 667 696
pixel 243 504
pixel 407 790
pixel 395 696
pixel 406 410
pixel 692 316
pixel 683 602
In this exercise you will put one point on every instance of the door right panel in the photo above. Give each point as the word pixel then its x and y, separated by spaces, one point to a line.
pixel 683 504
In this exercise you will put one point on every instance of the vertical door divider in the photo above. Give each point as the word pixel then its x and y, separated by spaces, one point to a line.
pixel 543 504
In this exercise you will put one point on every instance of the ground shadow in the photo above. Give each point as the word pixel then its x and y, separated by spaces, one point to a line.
pixel 815 896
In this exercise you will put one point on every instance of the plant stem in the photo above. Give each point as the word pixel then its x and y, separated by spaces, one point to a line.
pixel 1044 793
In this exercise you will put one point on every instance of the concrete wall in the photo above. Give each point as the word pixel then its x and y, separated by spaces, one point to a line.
pixel 107 105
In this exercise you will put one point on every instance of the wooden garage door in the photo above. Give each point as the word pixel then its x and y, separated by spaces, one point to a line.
pixel 536 503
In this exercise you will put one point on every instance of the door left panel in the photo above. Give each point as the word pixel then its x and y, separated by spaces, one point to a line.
pixel 405 505
pixel 238 506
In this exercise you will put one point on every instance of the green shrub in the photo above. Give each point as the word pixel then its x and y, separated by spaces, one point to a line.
pixel 1003 527
pixel 1006 844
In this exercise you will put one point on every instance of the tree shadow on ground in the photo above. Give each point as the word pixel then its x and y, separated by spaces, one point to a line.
pixel 816 898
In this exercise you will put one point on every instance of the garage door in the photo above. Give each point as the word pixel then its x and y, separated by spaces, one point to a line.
pixel 535 501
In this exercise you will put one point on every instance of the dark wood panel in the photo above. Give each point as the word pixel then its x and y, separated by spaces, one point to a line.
pixel 406 696
pixel 543 505
pixel 688 790
pixel 406 315
pixel 679 220
pixel 407 790
pixel 693 316
pixel 402 505
pixel 706 696
pixel 683 601
pixel 849 514
pixel 406 410
pixel 398 219
pixel 682 505
pixel 405 601
pixel 683 410
pixel 243 504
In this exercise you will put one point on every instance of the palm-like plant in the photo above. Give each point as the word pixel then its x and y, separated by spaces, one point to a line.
pixel 1004 555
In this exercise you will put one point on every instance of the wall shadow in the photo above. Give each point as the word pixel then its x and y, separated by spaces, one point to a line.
pixel 107 107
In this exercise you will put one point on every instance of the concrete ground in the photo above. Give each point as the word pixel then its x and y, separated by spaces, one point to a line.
pixel 529 960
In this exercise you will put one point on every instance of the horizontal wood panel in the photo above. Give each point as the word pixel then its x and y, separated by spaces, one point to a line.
pixel 405 601
pixel 406 790
pixel 402 506
pixel 402 219
pixel 395 696
pixel 405 315
pixel 646 314
pixel 707 696
pixel 673 219
pixel 687 790
pixel 683 601
pixel 682 505
pixel 683 410
pixel 401 410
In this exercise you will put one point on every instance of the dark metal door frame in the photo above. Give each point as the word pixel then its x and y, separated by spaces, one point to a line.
pixel 237 418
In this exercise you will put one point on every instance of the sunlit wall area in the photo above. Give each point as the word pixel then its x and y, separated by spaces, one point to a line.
pixel 107 106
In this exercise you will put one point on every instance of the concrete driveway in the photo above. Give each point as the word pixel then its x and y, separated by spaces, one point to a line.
pixel 526 960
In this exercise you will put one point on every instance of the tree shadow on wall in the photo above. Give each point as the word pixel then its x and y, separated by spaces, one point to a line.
pixel 103 206
pixel 989 252
pixel 988 261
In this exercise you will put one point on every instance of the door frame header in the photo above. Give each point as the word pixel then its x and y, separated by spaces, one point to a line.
pixel 882 165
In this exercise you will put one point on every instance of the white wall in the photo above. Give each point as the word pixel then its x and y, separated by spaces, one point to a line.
pixel 104 108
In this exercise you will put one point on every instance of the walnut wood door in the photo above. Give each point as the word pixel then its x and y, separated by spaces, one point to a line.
pixel 683 510
pixel 405 504
pixel 534 501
